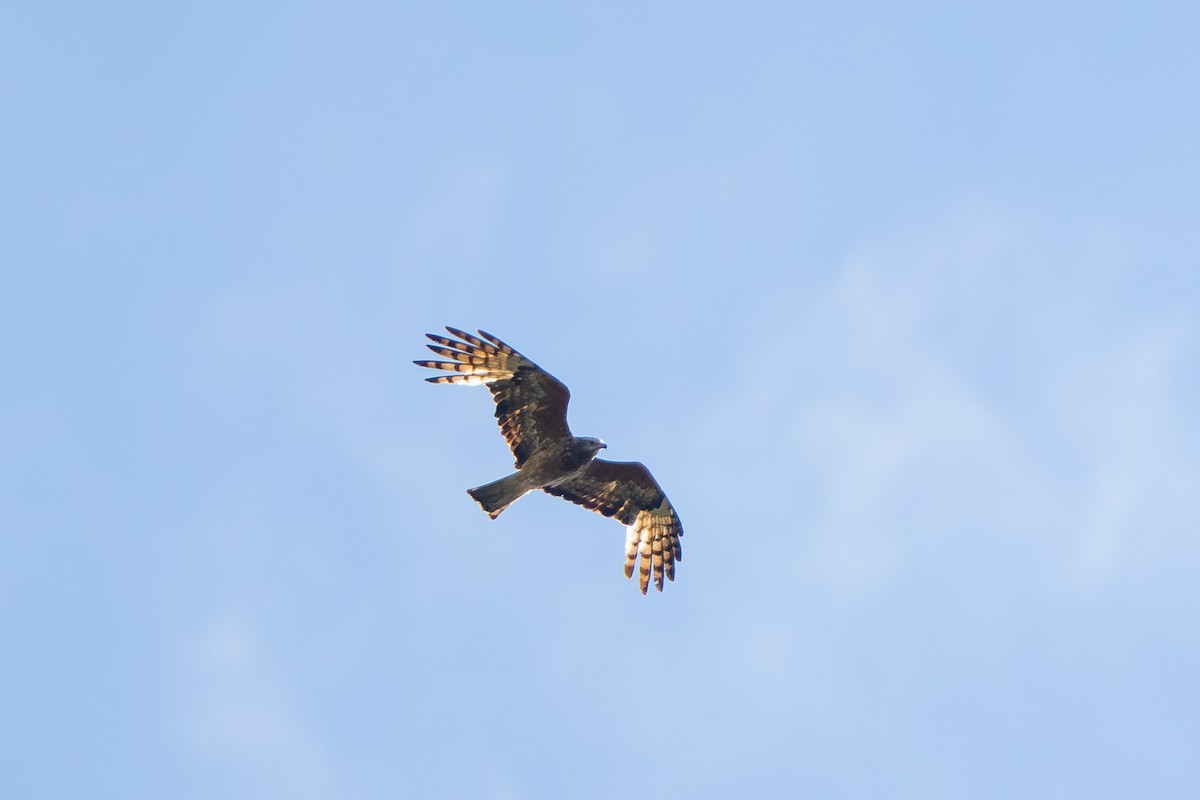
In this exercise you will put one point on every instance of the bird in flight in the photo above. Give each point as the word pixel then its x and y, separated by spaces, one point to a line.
pixel 531 407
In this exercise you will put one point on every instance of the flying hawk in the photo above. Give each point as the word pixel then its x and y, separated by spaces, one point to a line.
pixel 531 407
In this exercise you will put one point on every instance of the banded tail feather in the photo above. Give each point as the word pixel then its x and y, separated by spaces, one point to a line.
pixel 531 409
pixel 498 495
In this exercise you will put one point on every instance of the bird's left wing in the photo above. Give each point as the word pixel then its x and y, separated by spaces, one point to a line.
pixel 626 491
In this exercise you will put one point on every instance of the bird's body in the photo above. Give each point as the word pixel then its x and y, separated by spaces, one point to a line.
pixel 549 465
pixel 531 408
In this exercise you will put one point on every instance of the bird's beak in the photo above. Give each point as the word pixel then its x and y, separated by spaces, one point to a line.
pixel 603 446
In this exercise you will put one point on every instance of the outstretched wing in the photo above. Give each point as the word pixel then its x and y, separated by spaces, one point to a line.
pixel 627 491
pixel 531 404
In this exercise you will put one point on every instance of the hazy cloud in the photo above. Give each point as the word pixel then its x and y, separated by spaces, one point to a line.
pixel 239 716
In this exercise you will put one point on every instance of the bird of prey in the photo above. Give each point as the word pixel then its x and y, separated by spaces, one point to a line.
pixel 531 407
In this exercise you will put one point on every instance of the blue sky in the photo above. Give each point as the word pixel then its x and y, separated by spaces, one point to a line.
pixel 898 303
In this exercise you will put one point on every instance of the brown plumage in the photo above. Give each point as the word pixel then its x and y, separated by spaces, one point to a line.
pixel 531 407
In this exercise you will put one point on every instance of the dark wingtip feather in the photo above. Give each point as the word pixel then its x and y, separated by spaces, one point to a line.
pixel 494 340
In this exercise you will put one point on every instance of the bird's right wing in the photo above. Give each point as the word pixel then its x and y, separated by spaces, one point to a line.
pixel 531 404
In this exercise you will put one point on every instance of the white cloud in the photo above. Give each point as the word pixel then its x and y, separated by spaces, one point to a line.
pixel 1130 426
pixel 983 378
pixel 239 716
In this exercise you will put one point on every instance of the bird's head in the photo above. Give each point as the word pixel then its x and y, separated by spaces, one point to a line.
pixel 593 444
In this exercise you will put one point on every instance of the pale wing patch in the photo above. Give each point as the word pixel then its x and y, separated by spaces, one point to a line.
pixel 477 361
pixel 531 407
pixel 531 404
pixel 654 538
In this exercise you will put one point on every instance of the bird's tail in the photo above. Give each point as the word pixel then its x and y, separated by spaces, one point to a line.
pixel 499 495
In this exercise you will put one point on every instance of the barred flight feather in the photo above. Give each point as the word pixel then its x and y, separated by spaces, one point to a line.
pixel 653 526
pixel 531 410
